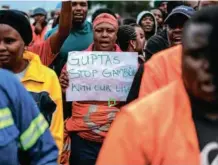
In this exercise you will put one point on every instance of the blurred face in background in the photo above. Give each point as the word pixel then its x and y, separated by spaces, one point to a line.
pixel 147 23
pixel 196 69
pixel 205 3
pixel 140 39
pixel 158 15
pixel 105 36
pixel 193 4
pixel 79 9
pixel 39 18
pixel 163 7
pixel 57 14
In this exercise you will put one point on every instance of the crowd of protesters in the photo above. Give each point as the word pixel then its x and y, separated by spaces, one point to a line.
pixel 170 115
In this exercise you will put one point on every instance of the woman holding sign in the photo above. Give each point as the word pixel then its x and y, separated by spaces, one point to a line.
pixel 91 120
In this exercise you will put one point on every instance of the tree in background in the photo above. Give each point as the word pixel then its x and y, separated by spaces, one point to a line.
pixel 125 8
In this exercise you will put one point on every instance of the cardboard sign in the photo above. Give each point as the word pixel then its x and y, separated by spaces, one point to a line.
pixel 100 76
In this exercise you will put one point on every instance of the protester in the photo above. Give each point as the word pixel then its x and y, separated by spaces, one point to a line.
pixel 132 39
pixel 188 133
pixel 160 70
pixel 148 23
pixel 172 35
pixel 40 81
pixel 162 5
pixel 126 38
pixel 40 25
pixel 204 3
pixel 81 34
pixel 68 105
pixel 53 22
pixel 193 4
pixel 159 17
pixel 87 135
pixel 23 128
pixel 128 41
pixel 140 37
pixel 49 49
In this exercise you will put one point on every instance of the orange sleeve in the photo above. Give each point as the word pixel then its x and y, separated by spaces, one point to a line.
pixel 123 144
pixel 43 49
pixel 153 77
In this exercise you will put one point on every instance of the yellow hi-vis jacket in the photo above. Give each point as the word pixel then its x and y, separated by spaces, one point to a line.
pixel 44 86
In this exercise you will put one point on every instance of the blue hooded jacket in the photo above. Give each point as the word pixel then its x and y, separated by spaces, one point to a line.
pixel 23 128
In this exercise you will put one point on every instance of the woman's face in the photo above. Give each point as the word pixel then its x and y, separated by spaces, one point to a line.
pixel 140 39
pixel 11 47
pixel 105 36
pixel 158 15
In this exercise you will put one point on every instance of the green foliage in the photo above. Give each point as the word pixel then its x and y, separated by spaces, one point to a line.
pixel 125 8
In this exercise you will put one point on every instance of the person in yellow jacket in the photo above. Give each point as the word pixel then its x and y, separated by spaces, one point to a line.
pixel 40 81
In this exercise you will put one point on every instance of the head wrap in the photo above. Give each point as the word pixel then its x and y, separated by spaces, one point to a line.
pixel 105 18
pixel 19 22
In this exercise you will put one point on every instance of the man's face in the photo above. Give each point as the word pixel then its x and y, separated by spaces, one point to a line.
pixel 204 3
pixel 147 23
pixel 196 71
pixel 79 9
pixel 163 7
pixel 174 29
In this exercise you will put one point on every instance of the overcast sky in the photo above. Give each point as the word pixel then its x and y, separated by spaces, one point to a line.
pixel 27 5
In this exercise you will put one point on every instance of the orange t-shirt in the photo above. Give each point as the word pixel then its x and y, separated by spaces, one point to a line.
pixel 154 130
pixel 40 37
pixel 43 49
pixel 163 68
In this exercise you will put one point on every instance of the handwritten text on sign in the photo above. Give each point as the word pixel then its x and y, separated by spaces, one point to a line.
pixel 99 76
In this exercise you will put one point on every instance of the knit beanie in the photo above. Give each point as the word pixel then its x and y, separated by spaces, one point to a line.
pixel 19 22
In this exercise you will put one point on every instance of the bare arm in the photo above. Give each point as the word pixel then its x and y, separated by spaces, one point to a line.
pixel 65 24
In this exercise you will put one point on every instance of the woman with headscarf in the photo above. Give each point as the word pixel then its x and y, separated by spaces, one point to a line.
pixel 87 135
pixel 40 81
